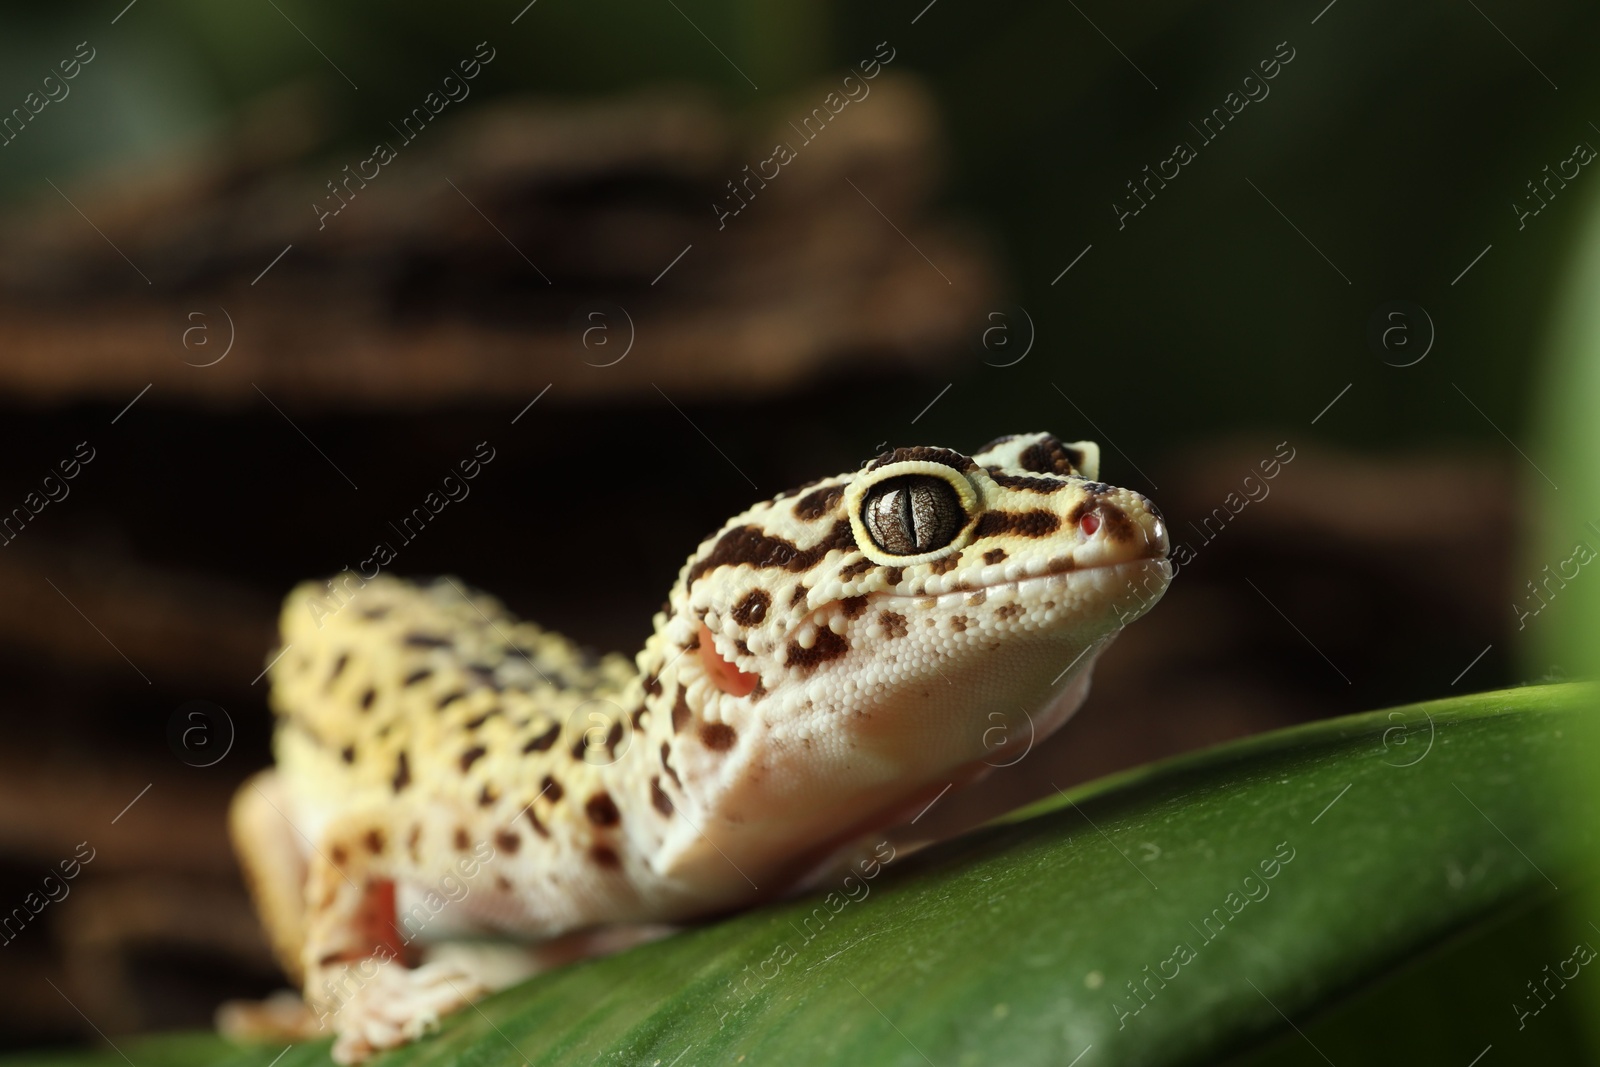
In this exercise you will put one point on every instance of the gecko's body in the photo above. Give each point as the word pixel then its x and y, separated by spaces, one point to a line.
pixel 825 662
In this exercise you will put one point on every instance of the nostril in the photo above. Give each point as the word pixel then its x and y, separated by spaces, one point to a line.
pixel 1089 524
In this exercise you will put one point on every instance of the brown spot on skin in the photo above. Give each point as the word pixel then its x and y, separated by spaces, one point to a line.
pixel 339 856
pixel 580 747
pixel 479 720
pixel 450 698
pixel 412 840
pixel 551 789
pixel 638 716
pixel 502 883
pixel 752 546
pixel 946 565
pixel 680 711
pixel 894 574
pixel 1036 523
pixel 1060 565
pixel 658 796
pixel 958 623
pixel 420 640
pixel 1050 456
pixel 1119 527
pixel 602 810
pixel 376 613
pixel 799 596
pixel 420 675
pixel 544 741
pixel 743 646
pixel 402 773
pixel 614 738
pixel 829 645
pixel 818 503
pixel 994 555
pixel 471 756
pixel 1009 611
pixel 752 608
pixel 348 753
pixel 717 736
pixel 666 752
pixel 893 624
pixel 758 692
pixel 538 827
pixel 508 841
pixel 932 455
pixel 487 796
pixel 374 841
pixel 605 856
pixel 852 606
pixel 652 685
pixel 338 667
pixel 367 698
pixel 463 842
pixel 977 599
pixel 1027 484
pixel 483 676
pixel 856 569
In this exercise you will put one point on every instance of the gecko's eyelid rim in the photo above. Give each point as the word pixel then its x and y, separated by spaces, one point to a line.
pixel 911 512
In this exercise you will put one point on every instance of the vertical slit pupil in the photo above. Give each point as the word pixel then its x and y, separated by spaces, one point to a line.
pixel 912 514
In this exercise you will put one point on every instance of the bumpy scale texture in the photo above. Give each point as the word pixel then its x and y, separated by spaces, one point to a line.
pixel 825 662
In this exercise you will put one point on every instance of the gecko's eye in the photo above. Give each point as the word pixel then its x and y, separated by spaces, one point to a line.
pixel 912 514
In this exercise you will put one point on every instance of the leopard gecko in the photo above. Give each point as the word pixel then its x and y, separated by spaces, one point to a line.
pixel 826 662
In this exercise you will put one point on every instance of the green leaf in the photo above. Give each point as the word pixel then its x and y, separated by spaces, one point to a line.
pixel 1293 867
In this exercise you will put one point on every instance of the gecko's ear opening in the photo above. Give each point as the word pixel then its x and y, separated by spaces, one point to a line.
pixel 724 675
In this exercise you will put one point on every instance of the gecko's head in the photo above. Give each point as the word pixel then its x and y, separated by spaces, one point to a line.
pixel 872 632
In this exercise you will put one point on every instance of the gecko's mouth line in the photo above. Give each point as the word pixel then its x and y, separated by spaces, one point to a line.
pixel 957 597
pixel 1063 577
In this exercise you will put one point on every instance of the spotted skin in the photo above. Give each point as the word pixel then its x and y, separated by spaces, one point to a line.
pixel 801 685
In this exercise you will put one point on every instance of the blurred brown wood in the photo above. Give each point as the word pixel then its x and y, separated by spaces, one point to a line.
pixel 110 923
pixel 424 289
pixel 87 607
pixel 49 805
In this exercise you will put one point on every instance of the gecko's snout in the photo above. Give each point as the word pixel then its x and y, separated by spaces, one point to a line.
pixel 1119 526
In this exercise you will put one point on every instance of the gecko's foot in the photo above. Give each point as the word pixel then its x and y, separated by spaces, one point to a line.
pixel 283 1016
pixel 398 1005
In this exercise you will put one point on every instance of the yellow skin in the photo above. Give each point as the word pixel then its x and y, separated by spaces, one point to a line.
pixel 826 659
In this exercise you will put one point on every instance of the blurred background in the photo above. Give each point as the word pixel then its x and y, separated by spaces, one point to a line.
pixel 239 341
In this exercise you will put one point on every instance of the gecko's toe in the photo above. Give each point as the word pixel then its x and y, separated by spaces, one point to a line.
pixel 398 1005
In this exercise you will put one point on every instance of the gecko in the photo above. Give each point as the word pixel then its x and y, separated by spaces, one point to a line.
pixel 825 663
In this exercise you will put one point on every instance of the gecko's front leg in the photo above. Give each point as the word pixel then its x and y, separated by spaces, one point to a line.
pixel 357 958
